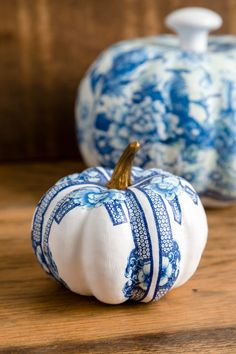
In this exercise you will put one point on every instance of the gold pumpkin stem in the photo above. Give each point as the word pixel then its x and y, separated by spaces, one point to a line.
pixel 121 177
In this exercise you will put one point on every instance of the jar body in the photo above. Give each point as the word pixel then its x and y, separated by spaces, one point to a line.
pixel 180 106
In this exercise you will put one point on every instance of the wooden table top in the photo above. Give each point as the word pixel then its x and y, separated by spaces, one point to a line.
pixel 39 316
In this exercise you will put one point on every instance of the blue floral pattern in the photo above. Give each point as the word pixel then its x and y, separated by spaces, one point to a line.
pixel 168 186
pixel 94 197
pixel 138 273
pixel 96 176
pixel 180 106
pixel 166 271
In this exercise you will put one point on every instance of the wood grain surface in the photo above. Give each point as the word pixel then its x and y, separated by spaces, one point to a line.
pixel 45 48
pixel 39 316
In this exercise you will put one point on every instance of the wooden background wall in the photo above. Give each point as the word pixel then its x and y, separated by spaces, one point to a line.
pixel 46 46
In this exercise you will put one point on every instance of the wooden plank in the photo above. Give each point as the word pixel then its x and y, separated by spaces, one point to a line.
pixel 47 45
pixel 197 341
pixel 39 316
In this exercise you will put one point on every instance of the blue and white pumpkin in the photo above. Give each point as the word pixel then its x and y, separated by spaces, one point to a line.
pixel 172 93
pixel 137 243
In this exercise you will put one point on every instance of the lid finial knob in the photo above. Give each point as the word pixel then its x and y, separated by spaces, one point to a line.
pixel 193 25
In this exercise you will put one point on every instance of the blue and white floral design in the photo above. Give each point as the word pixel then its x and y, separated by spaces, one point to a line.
pixel 95 197
pixel 166 271
pixel 168 186
pixel 180 106
pixel 138 273
pixel 89 176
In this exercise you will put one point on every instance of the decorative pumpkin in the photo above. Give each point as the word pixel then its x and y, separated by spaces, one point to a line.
pixel 100 235
pixel 174 95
